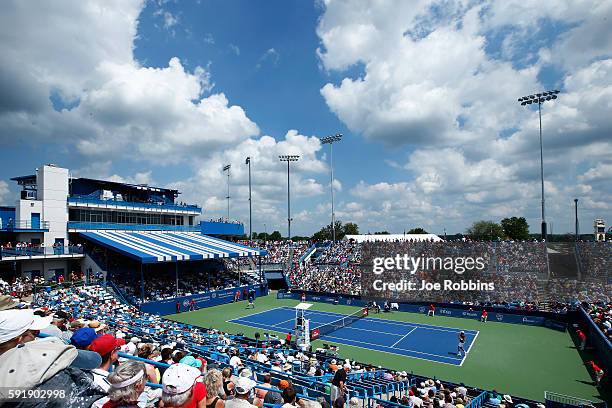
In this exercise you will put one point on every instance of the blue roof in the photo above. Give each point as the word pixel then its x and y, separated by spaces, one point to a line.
pixel 167 246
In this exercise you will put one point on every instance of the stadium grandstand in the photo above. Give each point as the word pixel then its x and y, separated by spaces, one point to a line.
pixel 115 294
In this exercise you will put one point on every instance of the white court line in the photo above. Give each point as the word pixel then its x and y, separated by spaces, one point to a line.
pixel 397 348
pixel 397 323
pixel 253 314
pixel 283 322
pixel 344 341
pixel 469 348
pixel 403 337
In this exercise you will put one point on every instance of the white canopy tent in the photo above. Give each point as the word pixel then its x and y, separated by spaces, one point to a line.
pixel 393 237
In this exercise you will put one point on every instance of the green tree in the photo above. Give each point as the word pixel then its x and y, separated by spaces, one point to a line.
pixel 326 232
pixel 350 228
pixel 516 228
pixel 276 236
pixel 417 230
pixel 485 230
pixel 382 233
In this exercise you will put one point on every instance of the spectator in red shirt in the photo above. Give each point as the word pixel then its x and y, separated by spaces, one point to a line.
pixel 599 372
pixel 583 339
pixel 288 339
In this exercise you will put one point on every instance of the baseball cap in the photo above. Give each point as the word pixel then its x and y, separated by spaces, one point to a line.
pixel 244 385
pixel 7 302
pixel 83 337
pixel 87 360
pixel 14 323
pixel 191 361
pixel 34 362
pixel 179 378
pixel 97 326
pixel 104 344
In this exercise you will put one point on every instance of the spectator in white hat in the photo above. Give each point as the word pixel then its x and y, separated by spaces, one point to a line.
pixel 19 326
pixel 243 389
pixel 132 345
pixel 180 387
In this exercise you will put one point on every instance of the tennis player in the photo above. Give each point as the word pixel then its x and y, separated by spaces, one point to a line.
pixel 461 346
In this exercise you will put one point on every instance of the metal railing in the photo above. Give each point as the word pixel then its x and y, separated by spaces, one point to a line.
pixel 566 400
pixel 85 225
pixel 478 401
pixel 40 251
pixel 134 205
pixel 24 225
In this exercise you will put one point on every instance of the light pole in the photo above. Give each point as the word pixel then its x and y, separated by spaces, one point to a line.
pixel 576 216
pixel 540 98
pixel 288 158
pixel 248 162
pixel 330 140
pixel 227 168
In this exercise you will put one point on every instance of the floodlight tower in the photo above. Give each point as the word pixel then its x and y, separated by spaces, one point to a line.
pixel 331 140
pixel 248 163
pixel 540 98
pixel 227 168
pixel 288 158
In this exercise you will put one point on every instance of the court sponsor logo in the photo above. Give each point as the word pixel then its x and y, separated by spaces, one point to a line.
pixel 499 317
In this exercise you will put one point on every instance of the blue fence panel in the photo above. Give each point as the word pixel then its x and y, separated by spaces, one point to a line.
pixel 514 317
pixel 219 297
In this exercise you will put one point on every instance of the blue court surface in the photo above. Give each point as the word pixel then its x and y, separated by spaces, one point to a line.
pixel 415 340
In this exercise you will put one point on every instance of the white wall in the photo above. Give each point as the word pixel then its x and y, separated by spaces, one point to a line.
pixel 25 208
pixel 53 192
pixel 27 236
pixel 49 267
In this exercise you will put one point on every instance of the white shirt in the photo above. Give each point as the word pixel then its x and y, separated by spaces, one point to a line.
pixel 100 377
pixel 131 348
pixel 235 361
pixel 238 403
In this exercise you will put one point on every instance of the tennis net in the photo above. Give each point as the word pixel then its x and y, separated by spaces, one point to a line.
pixel 337 324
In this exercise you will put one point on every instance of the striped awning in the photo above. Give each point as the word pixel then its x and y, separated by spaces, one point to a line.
pixel 167 246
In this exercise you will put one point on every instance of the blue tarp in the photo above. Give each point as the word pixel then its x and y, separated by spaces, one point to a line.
pixel 169 246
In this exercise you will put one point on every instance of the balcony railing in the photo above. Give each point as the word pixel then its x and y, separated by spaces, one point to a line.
pixel 134 205
pixel 24 225
pixel 83 225
pixel 30 252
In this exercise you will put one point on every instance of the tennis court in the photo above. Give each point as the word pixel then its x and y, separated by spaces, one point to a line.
pixel 423 341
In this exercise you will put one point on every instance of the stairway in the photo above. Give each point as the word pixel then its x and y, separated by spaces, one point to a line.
pixel 562 260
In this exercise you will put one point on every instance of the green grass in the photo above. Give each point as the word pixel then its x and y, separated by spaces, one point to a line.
pixel 515 359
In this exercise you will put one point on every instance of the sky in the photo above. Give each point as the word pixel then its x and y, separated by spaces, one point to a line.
pixel 424 93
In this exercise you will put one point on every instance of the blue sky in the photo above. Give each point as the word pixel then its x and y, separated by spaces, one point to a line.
pixel 166 92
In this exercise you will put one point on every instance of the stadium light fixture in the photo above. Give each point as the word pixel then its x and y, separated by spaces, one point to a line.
pixel 288 158
pixel 227 168
pixel 576 217
pixel 248 163
pixel 331 140
pixel 540 98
